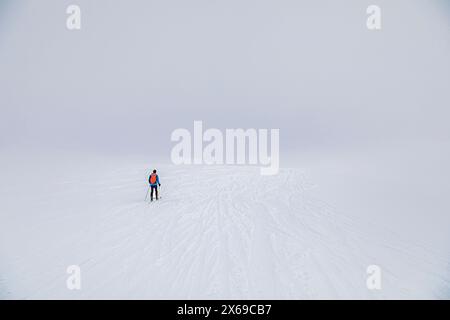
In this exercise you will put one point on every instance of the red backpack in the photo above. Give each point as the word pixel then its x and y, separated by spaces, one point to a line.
pixel 153 178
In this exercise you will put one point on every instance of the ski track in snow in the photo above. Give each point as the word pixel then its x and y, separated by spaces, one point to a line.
pixel 217 232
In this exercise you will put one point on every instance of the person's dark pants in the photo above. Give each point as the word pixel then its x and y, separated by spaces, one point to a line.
pixel 156 191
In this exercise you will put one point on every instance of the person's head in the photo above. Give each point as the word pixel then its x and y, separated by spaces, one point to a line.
pixel 154 170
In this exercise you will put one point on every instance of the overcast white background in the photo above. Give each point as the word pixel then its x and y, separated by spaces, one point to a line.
pixel 139 69
pixel 365 113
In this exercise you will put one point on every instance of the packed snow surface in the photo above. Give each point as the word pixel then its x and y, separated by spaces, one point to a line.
pixel 217 232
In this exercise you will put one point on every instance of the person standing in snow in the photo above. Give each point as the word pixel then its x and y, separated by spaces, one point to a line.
pixel 154 183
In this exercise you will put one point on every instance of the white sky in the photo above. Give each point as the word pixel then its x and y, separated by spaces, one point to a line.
pixel 140 69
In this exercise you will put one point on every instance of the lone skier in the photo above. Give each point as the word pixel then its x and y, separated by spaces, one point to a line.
pixel 154 183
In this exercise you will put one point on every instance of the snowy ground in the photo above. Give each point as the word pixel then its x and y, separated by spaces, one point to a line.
pixel 217 232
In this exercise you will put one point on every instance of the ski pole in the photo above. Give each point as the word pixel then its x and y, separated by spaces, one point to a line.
pixel 146 195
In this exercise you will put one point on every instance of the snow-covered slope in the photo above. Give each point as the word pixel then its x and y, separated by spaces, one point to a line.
pixel 217 232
